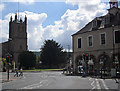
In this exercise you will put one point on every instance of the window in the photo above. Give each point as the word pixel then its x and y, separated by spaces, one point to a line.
pixel 117 36
pixel 90 42
pixel 103 40
pixel 79 43
pixel 95 23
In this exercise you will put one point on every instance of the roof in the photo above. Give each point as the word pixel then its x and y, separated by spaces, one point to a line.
pixel 100 23
pixel 85 29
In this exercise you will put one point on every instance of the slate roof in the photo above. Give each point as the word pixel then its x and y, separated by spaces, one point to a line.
pixel 101 23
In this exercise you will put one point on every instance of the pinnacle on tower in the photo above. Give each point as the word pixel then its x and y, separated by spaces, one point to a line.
pixel 20 20
pixel 16 17
pixel 11 18
pixel 25 19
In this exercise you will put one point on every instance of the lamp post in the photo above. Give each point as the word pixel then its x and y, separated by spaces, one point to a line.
pixel 40 62
pixel 113 46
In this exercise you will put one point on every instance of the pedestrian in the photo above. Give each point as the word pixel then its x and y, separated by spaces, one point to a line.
pixel 80 69
pixel 16 72
pixel 21 72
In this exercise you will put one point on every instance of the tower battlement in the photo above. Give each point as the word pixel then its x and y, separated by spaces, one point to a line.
pixel 17 20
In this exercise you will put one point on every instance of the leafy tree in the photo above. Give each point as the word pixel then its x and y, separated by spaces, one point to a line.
pixel 27 59
pixel 52 55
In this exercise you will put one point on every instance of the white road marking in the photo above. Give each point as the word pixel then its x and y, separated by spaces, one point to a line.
pixel 97 84
pixel 104 84
pixel 33 86
pixel 90 79
pixel 92 84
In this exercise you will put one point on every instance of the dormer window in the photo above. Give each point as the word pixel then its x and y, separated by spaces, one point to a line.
pixel 94 23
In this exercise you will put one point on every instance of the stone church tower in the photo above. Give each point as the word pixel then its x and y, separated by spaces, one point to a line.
pixel 17 41
pixel 18 36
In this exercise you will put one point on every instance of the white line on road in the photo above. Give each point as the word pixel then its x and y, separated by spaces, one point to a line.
pixel 33 86
pixel 92 84
pixel 104 84
pixel 90 79
pixel 97 84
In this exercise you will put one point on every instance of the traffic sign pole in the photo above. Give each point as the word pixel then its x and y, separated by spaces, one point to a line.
pixel 8 60
pixel 8 71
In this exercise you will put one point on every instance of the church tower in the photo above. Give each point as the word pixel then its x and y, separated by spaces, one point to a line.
pixel 17 37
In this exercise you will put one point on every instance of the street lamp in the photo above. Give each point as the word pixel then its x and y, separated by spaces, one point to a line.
pixel 40 62
pixel 113 44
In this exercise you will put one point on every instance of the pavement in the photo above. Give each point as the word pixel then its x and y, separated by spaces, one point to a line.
pixel 4 77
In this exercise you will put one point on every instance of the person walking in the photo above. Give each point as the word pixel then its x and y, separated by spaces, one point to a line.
pixel 21 72
pixel 16 72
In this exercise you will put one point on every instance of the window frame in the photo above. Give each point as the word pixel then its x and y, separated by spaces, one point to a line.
pixel 81 42
pixel 94 23
pixel 88 40
pixel 114 36
pixel 101 38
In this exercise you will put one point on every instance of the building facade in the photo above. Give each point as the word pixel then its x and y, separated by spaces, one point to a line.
pixel 98 43
pixel 17 41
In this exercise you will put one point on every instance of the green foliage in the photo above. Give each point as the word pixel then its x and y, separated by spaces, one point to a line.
pixel 27 59
pixel 52 55
pixel 35 70
pixel 5 64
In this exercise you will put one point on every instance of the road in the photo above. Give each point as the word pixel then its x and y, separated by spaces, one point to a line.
pixel 57 80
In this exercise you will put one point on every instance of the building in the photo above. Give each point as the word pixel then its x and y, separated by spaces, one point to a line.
pixel 17 41
pixel 98 43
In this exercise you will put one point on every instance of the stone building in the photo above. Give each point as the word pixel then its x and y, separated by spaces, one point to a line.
pixel 17 41
pixel 98 43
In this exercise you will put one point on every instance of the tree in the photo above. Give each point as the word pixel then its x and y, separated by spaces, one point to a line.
pixel 27 59
pixel 52 55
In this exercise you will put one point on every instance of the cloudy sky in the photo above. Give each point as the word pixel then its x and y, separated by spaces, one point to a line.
pixel 50 19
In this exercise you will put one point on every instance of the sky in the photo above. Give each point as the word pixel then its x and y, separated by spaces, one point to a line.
pixel 50 19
